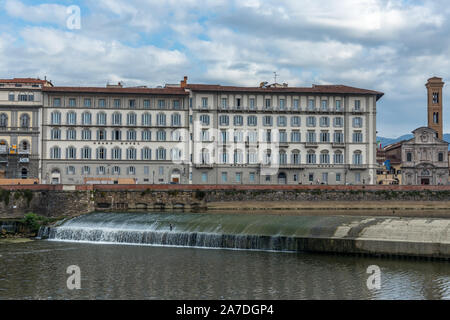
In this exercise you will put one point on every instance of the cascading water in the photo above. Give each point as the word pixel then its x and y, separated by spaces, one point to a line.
pixel 279 233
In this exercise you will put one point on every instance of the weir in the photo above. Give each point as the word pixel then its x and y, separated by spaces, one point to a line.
pixel 334 234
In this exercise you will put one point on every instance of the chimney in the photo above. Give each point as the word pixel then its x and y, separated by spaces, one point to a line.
pixel 184 82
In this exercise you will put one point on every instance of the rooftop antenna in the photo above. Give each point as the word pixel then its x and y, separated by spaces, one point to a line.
pixel 275 75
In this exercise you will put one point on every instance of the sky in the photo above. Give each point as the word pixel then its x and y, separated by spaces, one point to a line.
pixel 383 45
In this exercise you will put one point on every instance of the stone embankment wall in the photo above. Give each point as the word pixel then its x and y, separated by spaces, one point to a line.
pixel 67 201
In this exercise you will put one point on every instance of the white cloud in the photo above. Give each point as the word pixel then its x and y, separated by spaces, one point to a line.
pixel 49 13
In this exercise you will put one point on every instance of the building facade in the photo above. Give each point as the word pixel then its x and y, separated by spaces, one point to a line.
pixel 102 135
pixel 425 159
pixel 282 135
pixel 20 128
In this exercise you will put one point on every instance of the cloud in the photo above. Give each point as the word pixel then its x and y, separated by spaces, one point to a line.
pixel 48 13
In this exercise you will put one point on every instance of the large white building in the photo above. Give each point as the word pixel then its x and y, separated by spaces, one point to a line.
pixel 210 134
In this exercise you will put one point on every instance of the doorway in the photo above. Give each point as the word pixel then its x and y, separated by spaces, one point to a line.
pixel 425 181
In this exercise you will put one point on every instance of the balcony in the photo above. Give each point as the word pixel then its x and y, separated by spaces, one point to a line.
pixel 204 165
pixel 311 144
pixel 358 167
pixel 338 145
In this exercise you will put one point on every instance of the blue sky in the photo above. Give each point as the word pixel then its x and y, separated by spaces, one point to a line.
pixel 390 46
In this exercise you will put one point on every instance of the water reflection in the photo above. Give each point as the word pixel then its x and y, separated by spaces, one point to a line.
pixel 38 271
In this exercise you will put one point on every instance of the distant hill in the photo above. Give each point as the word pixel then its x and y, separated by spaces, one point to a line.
pixel 387 141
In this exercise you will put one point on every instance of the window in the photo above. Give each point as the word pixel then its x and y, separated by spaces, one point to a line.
pixel 282 104
pixel 55 118
pixel 3 120
pixel 204 177
pixel 146 153
pixel 117 119
pixel 131 135
pixel 238 177
pixel 70 170
pixel 11 97
pixel 324 105
pixel 86 118
pixel 252 136
pixel 224 177
pixel 131 170
pixel 71 118
pixel 223 156
pixel 116 153
pixel 282 157
pixel 238 120
pixel 338 122
pixel 311 121
pixel 176 120
pixel 86 134
pixel 161 154
pixel 205 103
pixel 357 158
pixel 268 136
pixel 117 103
pixel 161 104
pixel 311 105
pixel 311 177
pixel 252 105
pixel 325 137
pixel 435 97
pixel 338 137
pixel 267 178
pixel 224 103
pixel 295 157
pixel 87 103
pixel 436 117
pixel 224 120
pixel 238 103
pixel 71 134
pixel 325 177
pixel 324 157
pixel 267 120
pixel 296 105
pixel 338 105
pixel 440 157
pixel 116 135
pixel 295 136
pixel 223 136
pixel 132 103
pixel 101 103
pixel 324 122
pixel 161 119
pixel 146 104
pixel 338 158
pixel 55 134
pixel 116 170
pixel 57 102
pixel 357 122
pixel 357 137
pixel 357 105
pixel 101 170
pixel 131 118
pixel 101 119
pixel 161 135
pixel 204 120
pixel 204 135
pixel 281 121
pixel 86 170
pixel 252 157
pixel 131 154
pixel 24 121
pixel 409 157
pixel 146 119
pixel 282 136
pixel 295 121
pixel 311 137
pixel 86 153
pixel 268 104
pixel 338 177
pixel 357 177
pixel 311 157
pixel 252 121
pixel 71 153
pixel 146 135
pixel 238 157
pixel 101 135
pixel 101 153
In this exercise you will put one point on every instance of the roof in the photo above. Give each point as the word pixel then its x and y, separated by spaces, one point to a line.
pixel 394 145
pixel 329 89
pixel 26 80
pixel 162 91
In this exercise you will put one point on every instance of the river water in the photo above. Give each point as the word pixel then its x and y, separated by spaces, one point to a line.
pixel 113 268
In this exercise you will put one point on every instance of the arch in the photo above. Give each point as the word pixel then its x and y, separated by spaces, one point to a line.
pixel 295 156
pixel 24 146
pixel 55 177
pixel 3 120
pixel 175 176
pixel 25 120
pixel 282 178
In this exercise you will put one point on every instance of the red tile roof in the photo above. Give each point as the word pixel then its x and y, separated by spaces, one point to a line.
pixel 162 91
pixel 25 80
pixel 328 89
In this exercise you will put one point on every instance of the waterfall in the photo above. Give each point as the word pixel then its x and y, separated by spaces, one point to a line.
pixel 186 230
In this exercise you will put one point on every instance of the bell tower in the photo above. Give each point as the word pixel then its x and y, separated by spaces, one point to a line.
pixel 434 88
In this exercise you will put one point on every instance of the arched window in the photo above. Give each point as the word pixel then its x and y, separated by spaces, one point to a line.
pixel 55 118
pixel 238 157
pixel 161 119
pixel 131 153
pixel 131 119
pixel 86 153
pixel 55 153
pixel 3 120
pixel 311 157
pixel 146 135
pixel 101 153
pixel 71 153
pixel 338 157
pixel 176 135
pixel 146 119
pixel 25 121
pixel 24 146
pixel 267 157
pixel 223 156
pixel 204 119
pixel 86 118
pixel 161 154
pixel 117 119
pixel 204 156
pixel 295 157
pixel 71 118
pixel 116 153
pixel 176 154
pixel 131 135
pixel 161 135
pixel 324 157
pixel 357 158
pixel 101 119
pixel 176 120
pixel 252 156
pixel 146 153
